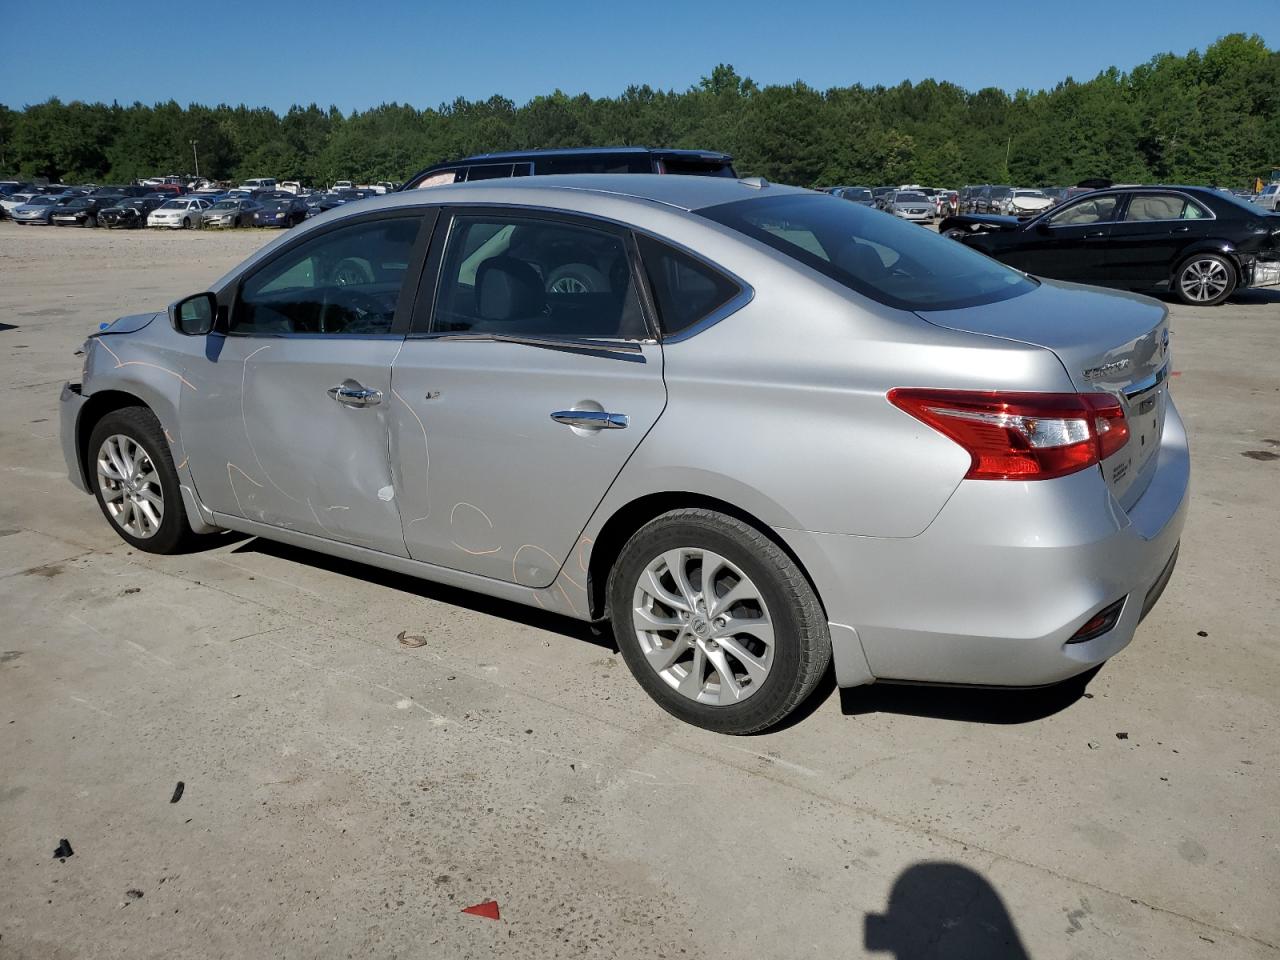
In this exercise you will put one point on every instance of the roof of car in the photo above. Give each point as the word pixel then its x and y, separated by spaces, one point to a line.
pixel 673 190
pixel 587 152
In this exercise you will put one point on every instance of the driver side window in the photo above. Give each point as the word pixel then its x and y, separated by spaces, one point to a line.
pixel 345 281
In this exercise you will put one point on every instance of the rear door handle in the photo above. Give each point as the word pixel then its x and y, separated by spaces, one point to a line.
pixel 350 393
pixel 1180 230
pixel 591 419
pixel 1095 235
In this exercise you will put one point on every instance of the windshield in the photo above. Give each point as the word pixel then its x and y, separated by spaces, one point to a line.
pixel 41 201
pixel 1036 194
pixel 226 205
pixel 857 193
pixel 174 205
pixel 910 198
pixel 884 258
pixel 1000 193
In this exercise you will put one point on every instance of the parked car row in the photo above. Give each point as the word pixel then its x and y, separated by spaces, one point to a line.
pixel 257 203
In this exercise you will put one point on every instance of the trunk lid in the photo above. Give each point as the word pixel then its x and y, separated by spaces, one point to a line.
pixel 1106 340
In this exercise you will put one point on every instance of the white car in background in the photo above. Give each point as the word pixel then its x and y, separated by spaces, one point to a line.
pixel 181 213
pixel 13 201
pixel 1028 203
pixel 1269 198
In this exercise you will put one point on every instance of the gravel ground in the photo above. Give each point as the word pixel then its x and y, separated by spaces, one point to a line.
pixel 347 796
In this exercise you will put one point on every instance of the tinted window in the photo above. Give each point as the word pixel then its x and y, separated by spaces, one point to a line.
pixel 1161 206
pixel 694 166
pixel 884 258
pixel 1093 210
pixel 489 171
pixel 528 277
pixel 594 163
pixel 685 289
pixel 345 281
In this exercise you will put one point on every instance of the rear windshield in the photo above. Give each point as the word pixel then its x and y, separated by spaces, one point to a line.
pixel 884 258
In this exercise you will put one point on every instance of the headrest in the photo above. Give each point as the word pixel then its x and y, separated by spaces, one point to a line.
pixel 508 289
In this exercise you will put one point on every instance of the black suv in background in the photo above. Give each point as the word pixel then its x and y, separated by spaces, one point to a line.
pixel 493 166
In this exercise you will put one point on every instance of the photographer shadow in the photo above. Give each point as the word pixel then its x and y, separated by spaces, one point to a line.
pixel 944 911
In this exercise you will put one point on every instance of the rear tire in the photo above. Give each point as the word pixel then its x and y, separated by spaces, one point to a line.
pixel 143 501
pixel 735 669
pixel 1205 280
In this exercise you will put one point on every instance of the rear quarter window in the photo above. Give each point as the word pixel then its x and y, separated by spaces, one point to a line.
pixel 685 290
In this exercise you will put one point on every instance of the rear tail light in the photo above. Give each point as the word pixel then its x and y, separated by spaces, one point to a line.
pixel 1021 436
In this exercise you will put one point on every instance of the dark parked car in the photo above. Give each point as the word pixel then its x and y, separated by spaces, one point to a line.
pixel 1198 243
pixel 283 210
pixel 860 195
pixel 129 212
pixel 491 166
pixel 82 211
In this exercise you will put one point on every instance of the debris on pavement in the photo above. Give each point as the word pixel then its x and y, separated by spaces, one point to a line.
pixel 64 850
pixel 1202 633
pixel 177 792
pixel 488 909
pixel 1093 744
pixel 1122 735
pixel 133 894
pixel 408 639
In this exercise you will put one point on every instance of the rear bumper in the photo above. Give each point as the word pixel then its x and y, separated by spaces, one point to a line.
pixel 993 590
pixel 71 403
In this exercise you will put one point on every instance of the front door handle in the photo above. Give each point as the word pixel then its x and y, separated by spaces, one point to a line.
pixel 1180 230
pixel 350 393
pixel 1095 235
pixel 591 419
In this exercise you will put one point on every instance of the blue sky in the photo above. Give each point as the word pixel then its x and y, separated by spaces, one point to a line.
pixel 355 55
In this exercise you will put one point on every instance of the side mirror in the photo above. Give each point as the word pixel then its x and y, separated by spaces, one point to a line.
pixel 193 316
pixel 1042 228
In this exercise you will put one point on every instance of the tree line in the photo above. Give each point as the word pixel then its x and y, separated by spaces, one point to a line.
pixel 1211 117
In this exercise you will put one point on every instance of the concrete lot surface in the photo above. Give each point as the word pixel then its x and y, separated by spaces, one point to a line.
pixel 347 796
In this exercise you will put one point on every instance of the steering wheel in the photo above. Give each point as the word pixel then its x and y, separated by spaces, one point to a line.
pixel 351 301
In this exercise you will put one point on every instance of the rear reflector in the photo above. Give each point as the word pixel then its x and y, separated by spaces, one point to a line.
pixel 1100 623
pixel 1021 436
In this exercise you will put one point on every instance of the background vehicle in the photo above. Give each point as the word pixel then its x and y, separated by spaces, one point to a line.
pixel 82 211
pixel 280 211
pixel 994 198
pixel 880 195
pixel 128 212
pixel 1198 243
pixel 729 578
pixel 489 166
pixel 230 212
pixel 1269 198
pixel 183 213
pixel 36 210
pixel 11 201
pixel 910 205
pixel 259 184
pixel 1027 203
pixel 861 195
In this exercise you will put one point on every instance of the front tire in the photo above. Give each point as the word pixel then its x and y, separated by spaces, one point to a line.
pixel 716 622
pixel 1205 280
pixel 186 223
pixel 133 478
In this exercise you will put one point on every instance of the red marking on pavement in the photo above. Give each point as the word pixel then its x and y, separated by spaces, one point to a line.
pixel 487 909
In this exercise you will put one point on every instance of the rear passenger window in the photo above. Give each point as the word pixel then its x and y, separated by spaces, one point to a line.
pixel 685 289
pixel 520 276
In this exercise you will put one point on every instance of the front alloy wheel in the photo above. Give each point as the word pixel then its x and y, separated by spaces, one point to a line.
pixel 1205 280
pixel 131 492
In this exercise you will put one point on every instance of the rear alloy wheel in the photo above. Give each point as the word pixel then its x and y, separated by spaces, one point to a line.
pixel 716 621
pixel 134 480
pixel 1204 280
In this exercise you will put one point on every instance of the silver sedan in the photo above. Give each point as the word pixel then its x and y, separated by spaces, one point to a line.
pixel 910 205
pixel 756 430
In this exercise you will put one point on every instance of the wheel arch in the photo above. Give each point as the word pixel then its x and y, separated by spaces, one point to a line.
pixel 97 406
pixel 623 523
pixel 1222 248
